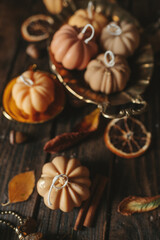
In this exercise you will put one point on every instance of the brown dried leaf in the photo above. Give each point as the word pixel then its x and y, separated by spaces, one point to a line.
pixel 61 142
pixel 21 187
pixel 133 204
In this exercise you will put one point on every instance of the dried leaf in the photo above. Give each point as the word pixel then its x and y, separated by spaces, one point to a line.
pixel 133 204
pixel 61 142
pixel 90 122
pixel 20 187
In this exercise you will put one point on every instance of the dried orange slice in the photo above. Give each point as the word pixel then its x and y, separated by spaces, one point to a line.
pixel 37 27
pixel 127 137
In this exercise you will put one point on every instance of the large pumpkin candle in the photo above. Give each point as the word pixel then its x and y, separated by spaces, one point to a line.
pixel 74 47
pixel 88 16
pixel 33 92
pixel 64 184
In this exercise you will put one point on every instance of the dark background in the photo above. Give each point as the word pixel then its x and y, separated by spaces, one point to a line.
pixel 140 176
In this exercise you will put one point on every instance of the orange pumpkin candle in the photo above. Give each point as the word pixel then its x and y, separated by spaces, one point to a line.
pixel 73 47
pixel 54 6
pixel 88 16
pixel 33 92
pixel 64 184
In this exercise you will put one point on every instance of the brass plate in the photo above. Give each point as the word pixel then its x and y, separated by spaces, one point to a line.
pixel 127 102
pixel 11 112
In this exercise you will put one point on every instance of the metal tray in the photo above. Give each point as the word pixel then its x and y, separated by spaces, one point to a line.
pixel 127 102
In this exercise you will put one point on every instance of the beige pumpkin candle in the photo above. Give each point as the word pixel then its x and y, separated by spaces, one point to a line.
pixel 121 39
pixel 74 47
pixel 88 16
pixel 107 73
pixel 33 92
pixel 64 184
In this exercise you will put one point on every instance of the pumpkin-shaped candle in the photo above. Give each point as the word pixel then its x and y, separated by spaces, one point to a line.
pixel 64 183
pixel 73 47
pixel 33 92
pixel 54 6
pixel 107 73
pixel 88 16
pixel 121 39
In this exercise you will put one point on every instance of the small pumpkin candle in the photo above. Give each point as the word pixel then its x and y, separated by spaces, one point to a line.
pixel 33 92
pixel 107 73
pixel 54 6
pixel 64 183
pixel 74 47
pixel 121 39
pixel 88 16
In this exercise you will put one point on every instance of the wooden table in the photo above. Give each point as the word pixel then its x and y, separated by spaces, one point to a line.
pixel 140 176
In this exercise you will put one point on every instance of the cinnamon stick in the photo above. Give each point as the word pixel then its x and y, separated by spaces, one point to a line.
pixel 84 208
pixel 95 202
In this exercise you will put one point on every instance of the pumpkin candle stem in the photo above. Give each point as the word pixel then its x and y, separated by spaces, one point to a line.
pixel 80 35
pixel 90 9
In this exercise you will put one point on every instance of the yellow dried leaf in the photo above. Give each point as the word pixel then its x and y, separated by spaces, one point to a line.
pixel 21 187
pixel 90 122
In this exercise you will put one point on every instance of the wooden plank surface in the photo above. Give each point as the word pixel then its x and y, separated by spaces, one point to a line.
pixel 126 177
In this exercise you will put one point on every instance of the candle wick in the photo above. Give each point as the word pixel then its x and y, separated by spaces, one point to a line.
pixel 114 29
pixel 65 177
pixel 90 10
pixel 109 59
pixel 92 33
pixel 26 80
